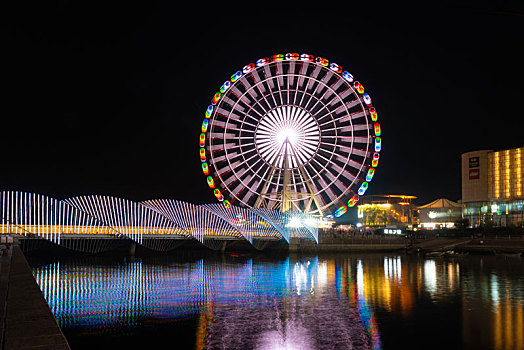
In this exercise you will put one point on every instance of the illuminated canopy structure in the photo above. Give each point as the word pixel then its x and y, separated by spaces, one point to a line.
pixel 154 223
pixel 290 132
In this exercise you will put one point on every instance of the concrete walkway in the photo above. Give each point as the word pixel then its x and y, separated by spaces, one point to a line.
pixel 28 323
pixel 441 244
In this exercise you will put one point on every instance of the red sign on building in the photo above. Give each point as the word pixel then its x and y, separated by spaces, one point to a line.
pixel 473 174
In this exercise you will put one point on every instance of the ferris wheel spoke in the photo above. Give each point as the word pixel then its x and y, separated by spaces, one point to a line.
pixel 274 94
pixel 240 96
pixel 332 164
pixel 257 80
pixel 348 149
pixel 229 180
pixel 364 153
pixel 221 158
pixel 339 83
pixel 315 72
pixel 357 115
pixel 348 92
pixel 268 74
pixel 262 90
pixel 311 92
pixel 334 180
pixel 221 147
pixel 222 124
pixel 279 75
pixel 279 83
pixel 321 86
pixel 227 100
pixel 248 197
pixel 249 91
pixel 343 107
pixel 308 180
pixel 221 136
pixel 354 127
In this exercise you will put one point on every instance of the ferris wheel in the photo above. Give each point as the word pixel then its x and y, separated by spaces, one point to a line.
pixel 293 133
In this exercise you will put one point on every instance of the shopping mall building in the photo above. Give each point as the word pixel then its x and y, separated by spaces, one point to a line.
pixel 394 213
pixel 492 188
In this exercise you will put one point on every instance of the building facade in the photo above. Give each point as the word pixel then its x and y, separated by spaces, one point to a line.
pixel 386 211
pixel 441 213
pixel 492 190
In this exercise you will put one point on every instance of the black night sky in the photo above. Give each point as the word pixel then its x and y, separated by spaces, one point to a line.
pixel 108 99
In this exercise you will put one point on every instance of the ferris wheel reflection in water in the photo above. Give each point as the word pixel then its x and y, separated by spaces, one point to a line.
pixel 230 301
pixel 293 302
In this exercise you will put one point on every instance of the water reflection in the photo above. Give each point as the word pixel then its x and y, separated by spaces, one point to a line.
pixel 502 306
pixel 350 301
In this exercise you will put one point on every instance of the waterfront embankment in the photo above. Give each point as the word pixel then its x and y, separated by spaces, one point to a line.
pixel 26 320
pixel 422 244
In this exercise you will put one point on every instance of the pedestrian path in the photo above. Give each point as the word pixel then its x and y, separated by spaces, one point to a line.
pixel 27 322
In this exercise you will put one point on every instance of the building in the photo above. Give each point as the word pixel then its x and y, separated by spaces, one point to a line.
pixel 492 190
pixel 386 211
pixel 441 213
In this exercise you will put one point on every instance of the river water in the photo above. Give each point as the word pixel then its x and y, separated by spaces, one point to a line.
pixel 335 301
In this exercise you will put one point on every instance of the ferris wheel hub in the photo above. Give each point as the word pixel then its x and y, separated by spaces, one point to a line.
pixel 287 124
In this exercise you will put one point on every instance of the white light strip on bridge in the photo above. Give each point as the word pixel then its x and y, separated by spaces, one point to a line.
pixel 31 214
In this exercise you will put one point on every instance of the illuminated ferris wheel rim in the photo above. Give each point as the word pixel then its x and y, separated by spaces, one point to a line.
pixel 250 121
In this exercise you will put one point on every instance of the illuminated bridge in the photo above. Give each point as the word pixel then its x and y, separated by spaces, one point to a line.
pixel 96 223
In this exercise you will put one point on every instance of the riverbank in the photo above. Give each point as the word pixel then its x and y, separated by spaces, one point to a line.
pixel 27 322
pixel 326 244
pixel 403 244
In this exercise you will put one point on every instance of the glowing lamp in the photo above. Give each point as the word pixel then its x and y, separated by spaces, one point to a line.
pixel 330 217
pixel 210 182
pixel 367 99
pixel 359 87
pixel 341 211
pixel 278 57
pixel 376 126
pixel 209 111
pixel 306 57
pixel 262 62
pixel 292 56
pixel 205 168
pixel 203 154
pixel 218 194
pixel 378 144
pixel 236 76
pixel 374 161
pixel 202 140
pixel 205 125
pixel 227 204
pixel 370 174
pixel 248 68
pixel 373 113
pixel 322 61
pixel 346 75
pixel 335 68
pixel 352 201
pixel 216 98
pixel 225 86
pixel 363 188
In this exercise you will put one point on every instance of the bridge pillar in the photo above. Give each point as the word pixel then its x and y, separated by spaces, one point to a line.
pixel 132 249
pixel 223 246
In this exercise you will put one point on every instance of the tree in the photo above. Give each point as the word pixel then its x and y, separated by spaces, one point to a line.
pixel 462 224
